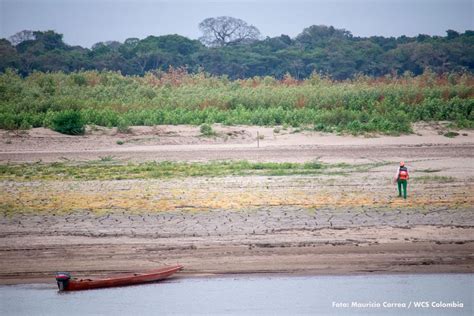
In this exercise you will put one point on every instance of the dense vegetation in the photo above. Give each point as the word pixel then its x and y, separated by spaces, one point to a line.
pixel 321 49
pixel 364 104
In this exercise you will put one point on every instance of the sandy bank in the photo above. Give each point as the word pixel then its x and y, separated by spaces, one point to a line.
pixel 339 223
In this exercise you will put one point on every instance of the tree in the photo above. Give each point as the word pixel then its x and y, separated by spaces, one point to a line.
pixel 319 48
pixel 48 40
pixel 226 30
pixel 9 56
pixel 25 35
pixel 452 34
pixel 315 35
pixel 131 42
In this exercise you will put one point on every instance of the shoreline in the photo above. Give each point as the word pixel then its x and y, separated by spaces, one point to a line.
pixel 257 274
pixel 348 251
pixel 329 223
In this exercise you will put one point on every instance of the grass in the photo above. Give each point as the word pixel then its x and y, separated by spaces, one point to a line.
pixel 106 158
pixel 108 169
pixel 359 106
pixel 436 178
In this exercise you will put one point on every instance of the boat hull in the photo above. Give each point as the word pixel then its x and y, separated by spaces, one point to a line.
pixel 122 280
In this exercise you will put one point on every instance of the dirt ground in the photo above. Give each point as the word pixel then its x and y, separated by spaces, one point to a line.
pixel 185 143
pixel 321 224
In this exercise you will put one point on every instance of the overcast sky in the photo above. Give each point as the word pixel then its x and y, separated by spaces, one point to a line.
pixel 85 22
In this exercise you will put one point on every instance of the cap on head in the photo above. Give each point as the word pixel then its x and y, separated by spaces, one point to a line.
pixel 402 163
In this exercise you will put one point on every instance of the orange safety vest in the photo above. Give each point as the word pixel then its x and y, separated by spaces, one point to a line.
pixel 403 173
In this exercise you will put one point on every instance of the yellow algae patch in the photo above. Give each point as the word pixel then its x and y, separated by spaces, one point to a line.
pixel 155 199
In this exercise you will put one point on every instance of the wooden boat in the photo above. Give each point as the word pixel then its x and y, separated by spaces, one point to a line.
pixel 67 283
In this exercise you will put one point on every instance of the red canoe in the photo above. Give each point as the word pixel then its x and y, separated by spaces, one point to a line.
pixel 66 283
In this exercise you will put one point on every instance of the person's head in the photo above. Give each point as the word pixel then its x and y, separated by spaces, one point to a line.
pixel 402 163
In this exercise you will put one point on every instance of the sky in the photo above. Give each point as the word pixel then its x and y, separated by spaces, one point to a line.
pixel 86 22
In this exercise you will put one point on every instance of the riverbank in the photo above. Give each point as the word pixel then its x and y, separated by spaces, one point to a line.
pixel 323 252
pixel 344 217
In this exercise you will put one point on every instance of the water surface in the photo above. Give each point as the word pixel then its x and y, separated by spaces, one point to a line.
pixel 254 295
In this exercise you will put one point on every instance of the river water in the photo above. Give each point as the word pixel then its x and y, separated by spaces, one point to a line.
pixel 436 294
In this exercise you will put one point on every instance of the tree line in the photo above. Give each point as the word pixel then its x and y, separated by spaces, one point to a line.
pixel 320 49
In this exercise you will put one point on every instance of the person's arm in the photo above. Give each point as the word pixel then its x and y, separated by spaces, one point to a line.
pixel 396 175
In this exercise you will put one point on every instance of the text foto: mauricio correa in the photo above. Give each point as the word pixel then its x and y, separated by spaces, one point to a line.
pixel 407 305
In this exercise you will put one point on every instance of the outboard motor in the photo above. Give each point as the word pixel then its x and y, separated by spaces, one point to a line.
pixel 62 278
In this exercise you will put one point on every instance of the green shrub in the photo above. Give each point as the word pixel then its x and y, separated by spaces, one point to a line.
pixel 319 127
pixel 123 126
pixel 78 79
pixel 451 134
pixel 25 125
pixel 207 130
pixel 7 121
pixel 68 122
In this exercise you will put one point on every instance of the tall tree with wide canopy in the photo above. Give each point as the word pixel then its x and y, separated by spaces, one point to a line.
pixel 25 35
pixel 226 30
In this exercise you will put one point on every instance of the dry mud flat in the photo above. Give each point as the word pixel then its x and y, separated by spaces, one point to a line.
pixel 220 242
pixel 321 224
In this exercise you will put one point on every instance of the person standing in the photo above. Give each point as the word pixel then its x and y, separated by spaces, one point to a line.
pixel 401 178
